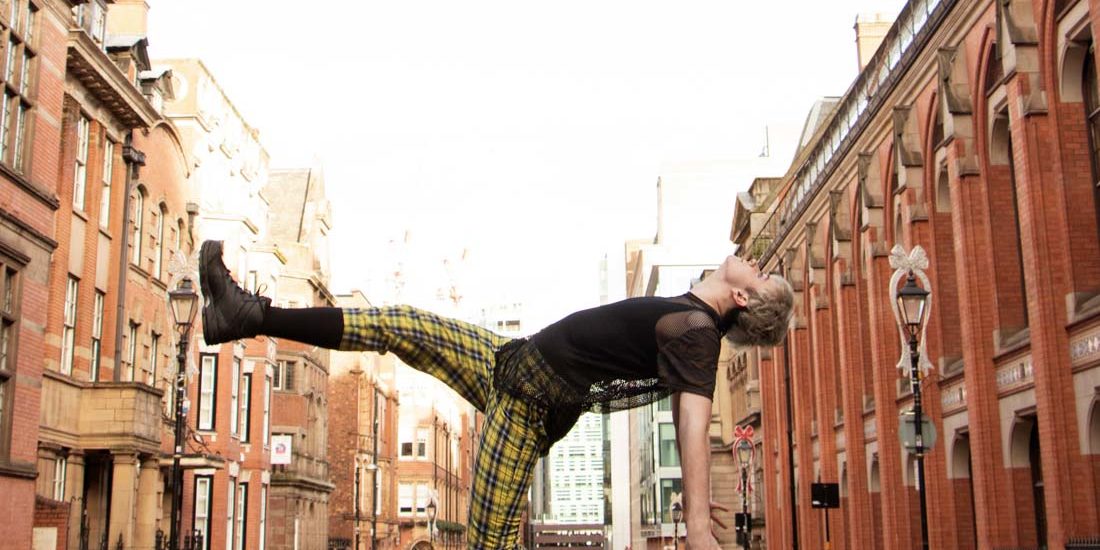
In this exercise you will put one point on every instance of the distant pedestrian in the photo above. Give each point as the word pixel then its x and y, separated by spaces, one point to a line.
pixel 532 390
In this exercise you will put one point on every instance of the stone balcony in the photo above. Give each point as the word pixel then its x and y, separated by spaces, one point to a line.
pixel 101 415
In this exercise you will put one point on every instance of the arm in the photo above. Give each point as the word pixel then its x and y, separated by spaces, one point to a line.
pixel 691 414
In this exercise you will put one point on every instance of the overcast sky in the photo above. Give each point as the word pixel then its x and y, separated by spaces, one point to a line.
pixel 530 133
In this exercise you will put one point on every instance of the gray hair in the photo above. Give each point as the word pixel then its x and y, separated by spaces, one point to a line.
pixel 764 320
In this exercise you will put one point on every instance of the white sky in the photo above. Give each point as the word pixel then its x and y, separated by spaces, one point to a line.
pixel 531 133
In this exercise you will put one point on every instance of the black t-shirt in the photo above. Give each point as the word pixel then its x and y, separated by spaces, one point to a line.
pixel 633 352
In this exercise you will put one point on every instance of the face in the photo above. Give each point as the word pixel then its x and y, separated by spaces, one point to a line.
pixel 742 275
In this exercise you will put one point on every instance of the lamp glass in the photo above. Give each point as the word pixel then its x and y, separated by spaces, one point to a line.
pixel 431 510
pixel 744 454
pixel 911 304
pixel 677 512
pixel 184 301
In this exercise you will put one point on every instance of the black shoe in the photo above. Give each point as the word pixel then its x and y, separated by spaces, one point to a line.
pixel 229 312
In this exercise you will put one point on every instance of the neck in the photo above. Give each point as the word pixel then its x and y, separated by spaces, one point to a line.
pixel 716 296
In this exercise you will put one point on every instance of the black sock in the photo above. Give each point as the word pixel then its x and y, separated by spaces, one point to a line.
pixel 320 326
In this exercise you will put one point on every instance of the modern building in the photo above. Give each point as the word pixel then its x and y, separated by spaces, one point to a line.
pixel 971 132
pixel 362 440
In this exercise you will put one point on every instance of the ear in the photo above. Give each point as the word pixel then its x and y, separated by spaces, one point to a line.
pixel 740 297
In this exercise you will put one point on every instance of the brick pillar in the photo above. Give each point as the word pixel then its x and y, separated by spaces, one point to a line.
pixel 991 482
pixel 123 492
pixel 1071 506
pixel 824 339
pixel 801 393
pixel 858 510
pixel 779 514
pixel 148 503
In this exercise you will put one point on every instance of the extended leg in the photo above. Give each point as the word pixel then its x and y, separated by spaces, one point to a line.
pixel 510 446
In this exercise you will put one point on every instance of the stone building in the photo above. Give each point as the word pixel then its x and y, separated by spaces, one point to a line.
pixel 973 133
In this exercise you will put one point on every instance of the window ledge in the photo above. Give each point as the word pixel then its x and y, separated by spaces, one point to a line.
pixel 43 195
pixel 20 470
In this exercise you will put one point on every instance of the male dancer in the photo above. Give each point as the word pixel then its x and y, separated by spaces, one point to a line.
pixel 532 390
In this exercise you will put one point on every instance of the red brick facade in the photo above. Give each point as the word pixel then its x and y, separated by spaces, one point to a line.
pixel 968 136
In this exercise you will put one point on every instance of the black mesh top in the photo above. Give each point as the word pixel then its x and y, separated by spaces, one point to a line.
pixel 629 353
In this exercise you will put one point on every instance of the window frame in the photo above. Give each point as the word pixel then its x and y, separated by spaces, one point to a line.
pixel 207 400
pixel 242 516
pixel 106 177
pixel 158 258
pixel 131 353
pixel 246 408
pixel 234 399
pixel 97 335
pixel 80 162
pixel 19 87
pixel 137 224
pixel 154 350
pixel 68 330
pixel 208 512
pixel 10 322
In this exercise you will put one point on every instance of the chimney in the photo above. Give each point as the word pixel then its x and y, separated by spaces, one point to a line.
pixel 870 30
pixel 128 18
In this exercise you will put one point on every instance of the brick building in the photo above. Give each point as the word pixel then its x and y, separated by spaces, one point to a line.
pixel 30 137
pixel 300 221
pixel 362 439
pixel 973 133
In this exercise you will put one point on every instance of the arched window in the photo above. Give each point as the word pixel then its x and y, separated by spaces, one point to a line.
pixel 158 259
pixel 1091 93
pixel 137 223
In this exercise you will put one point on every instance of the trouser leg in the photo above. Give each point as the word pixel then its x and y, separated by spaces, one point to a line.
pixel 510 446
pixel 460 354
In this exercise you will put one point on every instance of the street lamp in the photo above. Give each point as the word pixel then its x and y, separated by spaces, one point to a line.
pixel 677 516
pixel 431 522
pixel 744 457
pixel 184 301
pixel 911 311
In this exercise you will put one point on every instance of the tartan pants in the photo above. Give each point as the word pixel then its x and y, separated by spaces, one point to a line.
pixel 463 356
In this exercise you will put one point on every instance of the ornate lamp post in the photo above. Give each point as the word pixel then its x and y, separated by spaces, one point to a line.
pixel 745 451
pixel 677 517
pixel 185 302
pixel 431 522
pixel 911 306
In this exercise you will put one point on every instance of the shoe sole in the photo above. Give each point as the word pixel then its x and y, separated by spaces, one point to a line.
pixel 210 251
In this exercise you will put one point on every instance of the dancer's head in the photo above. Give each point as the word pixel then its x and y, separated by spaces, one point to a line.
pixel 762 303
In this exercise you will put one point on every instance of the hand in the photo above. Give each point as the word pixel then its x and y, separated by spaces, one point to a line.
pixel 716 517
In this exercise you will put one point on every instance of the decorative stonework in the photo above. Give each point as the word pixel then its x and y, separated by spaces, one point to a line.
pixel 1085 348
pixel 1016 374
pixel 870 429
pixel 953 398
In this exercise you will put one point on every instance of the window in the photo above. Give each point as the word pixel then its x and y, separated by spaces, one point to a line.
pixel 230 520
pixel 422 442
pixel 246 408
pixel 668 487
pixel 9 316
pixel 137 223
pixel 377 496
pixel 18 73
pixel 234 398
pixel 423 496
pixel 131 354
pixel 80 170
pixel 284 375
pixel 92 17
pixel 267 410
pixel 405 499
pixel 105 196
pixel 208 376
pixel 1091 93
pixel 60 471
pixel 97 335
pixel 670 456
pixel 202 508
pixel 263 517
pixel 665 404
pixel 242 513
pixel 158 259
pixel 154 350
pixel 68 333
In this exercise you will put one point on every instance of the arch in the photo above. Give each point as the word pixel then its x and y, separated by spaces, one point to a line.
pixel 422 544
pixel 874 480
pixel 958 467
pixel 173 134
pixel 943 191
pixel 1019 442
pixel 1094 429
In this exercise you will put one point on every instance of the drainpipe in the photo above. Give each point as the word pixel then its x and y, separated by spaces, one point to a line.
pixel 134 160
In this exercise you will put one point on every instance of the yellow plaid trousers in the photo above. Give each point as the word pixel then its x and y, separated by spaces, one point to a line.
pixel 463 356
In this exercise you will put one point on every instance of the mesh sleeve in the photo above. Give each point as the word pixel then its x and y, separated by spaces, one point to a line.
pixel 688 345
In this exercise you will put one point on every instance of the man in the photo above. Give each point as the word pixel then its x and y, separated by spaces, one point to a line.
pixel 532 390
